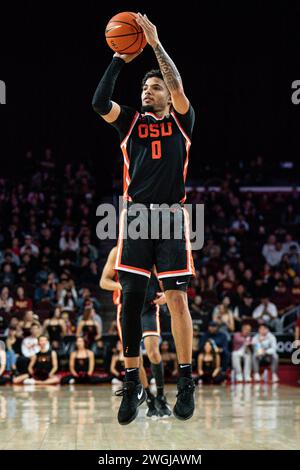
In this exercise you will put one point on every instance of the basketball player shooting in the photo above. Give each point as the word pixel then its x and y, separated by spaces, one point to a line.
pixel 155 143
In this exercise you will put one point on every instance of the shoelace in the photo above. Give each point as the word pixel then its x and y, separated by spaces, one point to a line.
pixel 121 392
pixel 125 390
pixel 185 392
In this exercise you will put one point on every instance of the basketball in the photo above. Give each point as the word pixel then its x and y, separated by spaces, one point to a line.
pixel 124 35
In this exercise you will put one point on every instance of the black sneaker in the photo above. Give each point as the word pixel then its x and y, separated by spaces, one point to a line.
pixel 162 406
pixel 133 396
pixel 152 411
pixel 185 405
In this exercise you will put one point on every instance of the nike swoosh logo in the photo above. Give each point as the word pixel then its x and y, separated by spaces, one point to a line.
pixel 129 370
pixel 140 394
pixel 178 283
pixel 181 367
pixel 113 27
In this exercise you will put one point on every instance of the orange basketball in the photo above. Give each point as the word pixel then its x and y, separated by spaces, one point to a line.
pixel 124 35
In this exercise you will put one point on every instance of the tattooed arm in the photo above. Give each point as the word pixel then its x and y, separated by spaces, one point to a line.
pixel 168 69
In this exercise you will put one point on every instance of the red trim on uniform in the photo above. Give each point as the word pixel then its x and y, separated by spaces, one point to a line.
pixel 157 319
pixel 157 331
pixel 159 118
pixel 150 333
pixel 131 127
pixel 190 260
pixel 181 128
pixel 182 271
pixel 118 264
pixel 126 177
pixel 189 269
pixel 119 326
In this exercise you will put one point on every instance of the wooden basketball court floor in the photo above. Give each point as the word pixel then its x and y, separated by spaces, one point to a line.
pixel 84 417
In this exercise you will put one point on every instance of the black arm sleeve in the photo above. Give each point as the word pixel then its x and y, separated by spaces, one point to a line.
pixel 102 98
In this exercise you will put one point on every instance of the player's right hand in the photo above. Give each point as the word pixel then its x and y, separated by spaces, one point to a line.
pixel 127 57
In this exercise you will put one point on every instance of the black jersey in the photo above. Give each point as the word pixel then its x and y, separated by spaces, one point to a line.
pixel 156 155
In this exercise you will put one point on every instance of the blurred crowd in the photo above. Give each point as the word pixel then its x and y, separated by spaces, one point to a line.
pixel 247 277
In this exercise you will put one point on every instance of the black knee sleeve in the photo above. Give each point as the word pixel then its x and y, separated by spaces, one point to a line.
pixel 132 304
pixel 133 294
pixel 131 282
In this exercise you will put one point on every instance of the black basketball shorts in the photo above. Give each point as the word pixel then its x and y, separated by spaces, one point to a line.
pixel 163 241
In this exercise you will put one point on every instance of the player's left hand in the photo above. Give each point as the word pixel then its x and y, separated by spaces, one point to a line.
pixel 160 299
pixel 149 29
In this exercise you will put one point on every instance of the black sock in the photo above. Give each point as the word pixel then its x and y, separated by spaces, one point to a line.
pixel 185 370
pixel 132 375
pixel 158 373
pixel 149 394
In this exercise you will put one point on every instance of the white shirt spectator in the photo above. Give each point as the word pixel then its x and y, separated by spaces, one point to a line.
pixel 287 245
pixel 6 302
pixel 33 248
pixel 30 346
pixel 265 312
pixel 68 244
pixel 68 302
pixel 267 342
pixel 273 254
pixel 240 224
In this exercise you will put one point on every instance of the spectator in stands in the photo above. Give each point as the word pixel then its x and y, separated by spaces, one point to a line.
pixel 243 312
pixel 282 298
pixel 6 301
pixel 81 365
pixel 242 351
pixel 219 341
pixel 273 251
pixel 69 241
pixel 169 359
pixel 3 379
pixel 44 293
pixel 26 323
pixel 69 328
pixel 240 225
pixel 290 242
pixel 89 273
pixel 21 303
pixel 195 347
pixel 29 247
pixel 13 348
pixel 68 297
pixel 113 328
pixel 266 312
pixel 14 323
pixel 201 311
pixel 55 329
pixel 292 259
pixel 209 365
pixel 29 348
pixel 85 297
pixel 269 247
pixel 117 364
pixel 232 250
pixel 88 327
pixel 265 351
pixel 7 276
pixel 248 281
pixel 223 316
pixel 295 290
pixel 42 367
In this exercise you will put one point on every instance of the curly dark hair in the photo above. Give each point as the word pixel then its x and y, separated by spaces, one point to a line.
pixel 152 73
